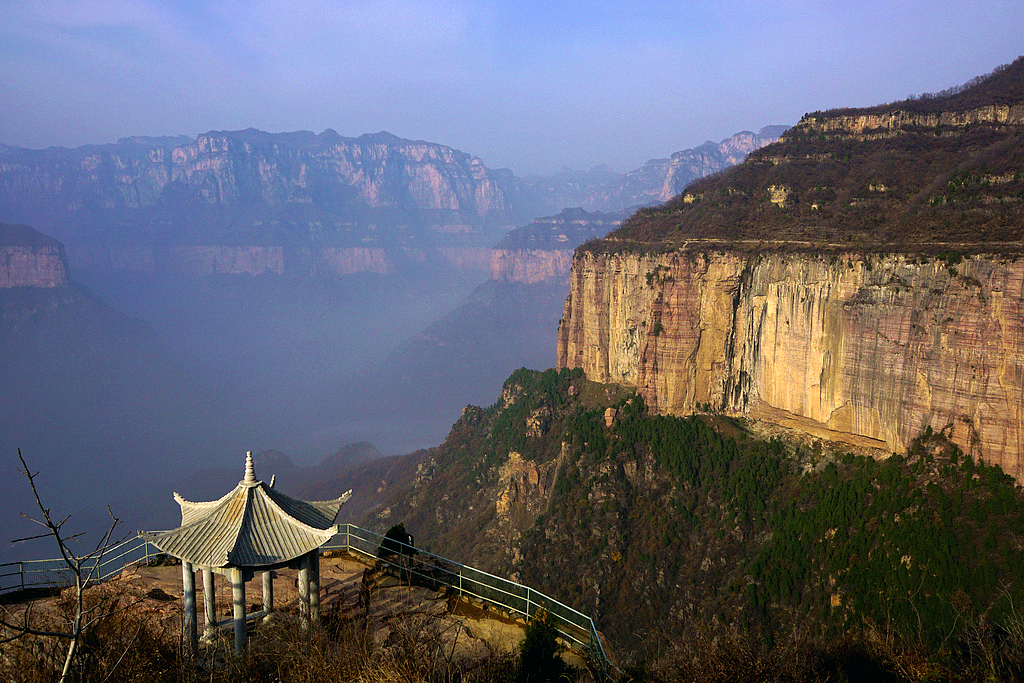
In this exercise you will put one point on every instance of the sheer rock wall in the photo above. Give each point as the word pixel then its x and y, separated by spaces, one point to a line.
pixel 865 349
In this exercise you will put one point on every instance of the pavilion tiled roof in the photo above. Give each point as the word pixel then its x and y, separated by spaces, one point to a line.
pixel 253 525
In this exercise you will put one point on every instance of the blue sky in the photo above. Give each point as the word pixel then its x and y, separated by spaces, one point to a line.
pixel 531 86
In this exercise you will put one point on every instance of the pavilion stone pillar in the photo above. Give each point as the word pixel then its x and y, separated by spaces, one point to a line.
pixel 188 580
pixel 210 605
pixel 279 531
pixel 314 587
pixel 304 592
pixel 238 605
pixel 268 593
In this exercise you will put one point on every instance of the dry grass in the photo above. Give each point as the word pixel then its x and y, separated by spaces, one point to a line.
pixel 134 645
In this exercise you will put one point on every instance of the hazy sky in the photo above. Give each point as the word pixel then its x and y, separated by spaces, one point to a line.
pixel 530 86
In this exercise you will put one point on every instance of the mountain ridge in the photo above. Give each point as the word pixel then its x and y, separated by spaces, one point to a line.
pixel 886 178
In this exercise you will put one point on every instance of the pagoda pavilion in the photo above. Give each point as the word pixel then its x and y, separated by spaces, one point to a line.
pixel 254 529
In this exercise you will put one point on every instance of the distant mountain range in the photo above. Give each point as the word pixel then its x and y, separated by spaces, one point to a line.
pixel 201 296
pixel 233 202
pixel 601 189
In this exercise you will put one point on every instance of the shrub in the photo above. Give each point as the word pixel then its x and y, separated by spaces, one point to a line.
pixel 539 660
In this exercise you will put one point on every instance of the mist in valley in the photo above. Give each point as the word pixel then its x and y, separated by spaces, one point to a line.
pixel 210 367
pixel 245 291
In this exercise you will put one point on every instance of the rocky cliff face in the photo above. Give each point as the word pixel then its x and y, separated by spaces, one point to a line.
pixel 256 168
pixel 865 349
pixel 249 201
pixel 30 259
pixel 230 260
pixel 890 123
pixel 601 189
pixel 542 251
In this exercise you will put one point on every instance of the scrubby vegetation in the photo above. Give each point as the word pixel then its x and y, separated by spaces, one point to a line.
pixel 912 188
pixel 135 646
pixel 698 547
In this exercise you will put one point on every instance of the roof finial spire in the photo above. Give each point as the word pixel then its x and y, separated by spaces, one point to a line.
pixel 250 471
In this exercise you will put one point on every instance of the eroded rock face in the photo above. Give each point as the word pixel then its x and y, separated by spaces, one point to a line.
pixel 253 167
pixel 30 259
pixel 893 122
pixel 542 251
pixel 230 260
pixel 530 266
pixel 870 350
pixel 251 202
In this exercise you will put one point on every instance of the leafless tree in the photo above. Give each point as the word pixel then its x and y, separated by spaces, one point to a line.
pixel 83 569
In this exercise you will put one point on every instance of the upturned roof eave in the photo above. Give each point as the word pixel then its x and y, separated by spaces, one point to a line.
pixel 223 549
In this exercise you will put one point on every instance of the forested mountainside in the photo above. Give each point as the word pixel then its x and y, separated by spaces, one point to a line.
pixel 660 525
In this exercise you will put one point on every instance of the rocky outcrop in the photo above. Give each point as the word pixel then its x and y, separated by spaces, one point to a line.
pixel 30 259
pixel 542 251
pixel 865 349
pixel 228 260
pixel 289 190
pixel 859 125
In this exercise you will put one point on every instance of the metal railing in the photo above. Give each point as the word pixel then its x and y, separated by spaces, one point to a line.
pixel 576 628
pixel 409 562
pixel 55 573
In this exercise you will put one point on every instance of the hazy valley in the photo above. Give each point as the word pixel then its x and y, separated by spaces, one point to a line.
pixel 248 291
pixel 785 406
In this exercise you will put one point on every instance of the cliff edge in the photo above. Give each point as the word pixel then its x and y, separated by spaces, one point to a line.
pixel 858 280
pixel 28 258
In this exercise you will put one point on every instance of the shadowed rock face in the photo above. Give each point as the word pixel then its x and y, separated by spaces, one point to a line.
pixel 30 259
pixel 866 349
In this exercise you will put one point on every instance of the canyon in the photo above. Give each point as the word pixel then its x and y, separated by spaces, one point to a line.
pixel 252 203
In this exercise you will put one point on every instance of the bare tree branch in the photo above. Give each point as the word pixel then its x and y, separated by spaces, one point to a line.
pixel 85 570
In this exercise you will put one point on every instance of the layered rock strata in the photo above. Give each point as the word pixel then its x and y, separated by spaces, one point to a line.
pixel 229 260
pixel 865 349
pixel 542 251
pixel 30 259
pixel 253 202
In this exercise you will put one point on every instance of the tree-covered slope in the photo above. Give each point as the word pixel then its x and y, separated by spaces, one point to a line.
pixel 660 525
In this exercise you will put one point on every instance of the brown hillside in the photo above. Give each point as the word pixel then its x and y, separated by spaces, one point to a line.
pixel 936 173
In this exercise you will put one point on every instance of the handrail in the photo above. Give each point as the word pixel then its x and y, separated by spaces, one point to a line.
pixel 468 582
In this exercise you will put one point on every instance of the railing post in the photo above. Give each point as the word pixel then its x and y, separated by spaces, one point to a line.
pixel 21 574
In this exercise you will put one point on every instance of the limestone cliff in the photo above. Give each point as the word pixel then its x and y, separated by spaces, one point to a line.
pixel 229 260
pixel 851 347
pixel 822 284
pixel 542 251
pixel 350 204
pixel 30 259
